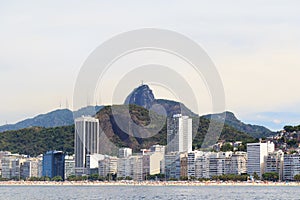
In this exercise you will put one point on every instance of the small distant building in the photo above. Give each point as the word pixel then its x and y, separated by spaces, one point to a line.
pixel 54 164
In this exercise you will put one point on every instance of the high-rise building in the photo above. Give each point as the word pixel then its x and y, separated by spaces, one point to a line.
pixel 11 164
pixel 2 154
pixel 69 166
pixel 256 153
pixel 136 167
pixel 86 141
pixel 291 166
pixel 30 168
pixel 172 165
pixel 238 163
pixel 152 159
pixel 179 134
pixel 54 164
pixel 274 163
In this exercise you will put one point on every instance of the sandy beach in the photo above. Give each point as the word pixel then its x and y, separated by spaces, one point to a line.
pixel 144 183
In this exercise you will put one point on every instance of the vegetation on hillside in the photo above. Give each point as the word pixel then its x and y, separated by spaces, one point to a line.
pixel 34 141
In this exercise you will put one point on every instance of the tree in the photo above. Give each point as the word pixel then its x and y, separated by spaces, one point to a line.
pixel 255 176
pixel 297 177
pixel 93 177
pixel 227 147
pixel 45 178
pixel 57 178
pixel 184 178
pixel 270 176
pixel 128 178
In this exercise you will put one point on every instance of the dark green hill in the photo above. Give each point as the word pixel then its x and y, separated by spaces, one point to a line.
pixel 34 141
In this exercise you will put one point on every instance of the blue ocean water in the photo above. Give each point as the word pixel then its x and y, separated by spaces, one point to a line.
pixel 150 192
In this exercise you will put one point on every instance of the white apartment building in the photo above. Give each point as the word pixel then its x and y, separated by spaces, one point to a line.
pixel 123 168
pixel 29 168
pixel 92 163
pixel 256 154
pixel 136 167
pixel 152 159
pixel 274 163
pixel 69 166
pixel 291 166
pixel 172 165
pixel 108 166
pixel 2 154
pixel 179 134
pixel 208 164
pixel 11 164
pixel 125 152
pixel 86 141
pixel 238 163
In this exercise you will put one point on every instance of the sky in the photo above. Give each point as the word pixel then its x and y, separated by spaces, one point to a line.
pixel 254 44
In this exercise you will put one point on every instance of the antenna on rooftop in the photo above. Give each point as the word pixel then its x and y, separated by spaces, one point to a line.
pixel 67 103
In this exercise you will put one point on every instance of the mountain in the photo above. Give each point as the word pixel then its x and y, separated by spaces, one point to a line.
pixel 144 97
pixel 62 117
pixel 115 126
pixel 57 118
pixel 231 120
pixel 141 96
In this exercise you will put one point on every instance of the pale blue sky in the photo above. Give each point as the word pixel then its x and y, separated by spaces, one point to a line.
pixel 254 44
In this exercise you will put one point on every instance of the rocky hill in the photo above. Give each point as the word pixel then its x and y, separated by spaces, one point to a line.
pixel 231 120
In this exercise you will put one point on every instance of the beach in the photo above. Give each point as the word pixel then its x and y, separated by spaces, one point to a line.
pixel 145 183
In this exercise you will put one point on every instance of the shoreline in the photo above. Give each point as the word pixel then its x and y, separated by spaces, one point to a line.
pixel 144 183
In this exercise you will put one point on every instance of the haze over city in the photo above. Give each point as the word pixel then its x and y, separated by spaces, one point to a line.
pixel 254 45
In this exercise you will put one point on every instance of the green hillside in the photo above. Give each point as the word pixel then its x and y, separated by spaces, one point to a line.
pixel 36 140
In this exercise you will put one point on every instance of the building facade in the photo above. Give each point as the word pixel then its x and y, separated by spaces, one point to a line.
pixel 179 134
pixel 256 154
pixel 54 164
pixel 291 166
pixel 86 141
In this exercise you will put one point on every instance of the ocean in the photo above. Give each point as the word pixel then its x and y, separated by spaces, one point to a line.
pixel 150 192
